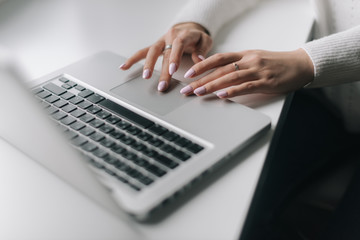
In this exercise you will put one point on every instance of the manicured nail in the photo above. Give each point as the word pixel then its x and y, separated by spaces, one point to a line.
pixel 162 86
pixel 200 91
pixel 122 65
pixel 146 74
pixel 172 68
pixel 189 73
pixel 201 57
pixel 186 90
pixel 222 94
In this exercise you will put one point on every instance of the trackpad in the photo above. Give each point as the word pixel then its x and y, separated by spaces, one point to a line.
pixel 144 94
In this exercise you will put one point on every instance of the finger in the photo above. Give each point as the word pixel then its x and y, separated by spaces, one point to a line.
pixel 141 54
pixel 152 55
pixel 258 86
pixel 202 49
pixel 165 77
pixel 231 79
pixel 219 72
pixel 176 53
pixel 216 60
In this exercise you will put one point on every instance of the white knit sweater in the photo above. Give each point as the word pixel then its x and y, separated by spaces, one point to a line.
pixel 336 57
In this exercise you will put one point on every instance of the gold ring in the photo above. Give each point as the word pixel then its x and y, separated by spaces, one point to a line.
pixel 236 67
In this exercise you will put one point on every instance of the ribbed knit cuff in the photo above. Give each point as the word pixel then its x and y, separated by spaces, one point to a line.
pixel 336 58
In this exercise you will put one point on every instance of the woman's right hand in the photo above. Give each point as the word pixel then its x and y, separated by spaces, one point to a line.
pixel 190 38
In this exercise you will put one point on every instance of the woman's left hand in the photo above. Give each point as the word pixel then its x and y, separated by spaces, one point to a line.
pixel 252 71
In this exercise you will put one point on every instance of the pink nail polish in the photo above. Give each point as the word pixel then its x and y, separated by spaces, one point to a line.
pixel 222 94
pixel 189 73
pixel 200 91
pixel 122 65
pixel 172 68
pixel 162 86
pixel 201 57
pixel 186 90
pixel 146 74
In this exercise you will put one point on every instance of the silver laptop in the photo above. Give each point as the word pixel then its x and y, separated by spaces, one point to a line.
pixel 145 147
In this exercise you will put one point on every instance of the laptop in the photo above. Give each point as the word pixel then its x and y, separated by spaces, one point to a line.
pixel 113 136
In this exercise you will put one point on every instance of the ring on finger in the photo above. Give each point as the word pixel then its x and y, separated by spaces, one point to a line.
pixel 167 46
pixel 236 67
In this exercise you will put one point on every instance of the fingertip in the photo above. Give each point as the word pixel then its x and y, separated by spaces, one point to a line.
pixel 162 86
pixel 172 68
pixel 190 73
pixel 122 66
pixel 222 94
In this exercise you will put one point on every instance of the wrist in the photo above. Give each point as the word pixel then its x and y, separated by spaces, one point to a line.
pixel 193 25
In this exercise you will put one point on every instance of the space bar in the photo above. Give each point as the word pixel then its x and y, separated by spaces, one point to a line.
pixel 126 113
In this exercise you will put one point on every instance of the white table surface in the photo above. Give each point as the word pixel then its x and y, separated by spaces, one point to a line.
pixel 48 34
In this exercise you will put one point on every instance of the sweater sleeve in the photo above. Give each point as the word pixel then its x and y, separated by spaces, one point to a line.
pixel 212 14
pixel 336 58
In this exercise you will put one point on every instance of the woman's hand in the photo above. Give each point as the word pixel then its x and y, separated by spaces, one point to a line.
pixel 182 38
pixel 253 71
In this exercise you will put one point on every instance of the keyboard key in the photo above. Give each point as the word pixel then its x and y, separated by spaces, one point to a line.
pixel 194 148
pixel 113 119
pixel 97 123
pixel 51 110
pixel 106 128
pixel 52 99
pixel 69 108
pixel 77 126
pixel 156 170
pixel 144 136
pixel 78 113
pixel 94 109
pixel 51 87
pixel 170 136
pixel 166 161
pixel 182 142
pixel 95 98
pixel 118 149
pixel 70 134
pixel 68 120
pixel 181 155
pixel 97 136
pixel 123 125
pixel 63 79
pixel 59 115
pixel 133 130
pixel 100 153
pixel 86 93
pixel 158 130
pixel 167 148
pixel 78 141
pixel 87 118
pixel 61 103
pixel 67 95
pixel 87 131
pixel 80 88
pixel 117 134
pixel 103 114
pixel 43 94
pixel 89 147
pixel 108 143
pixel 126 113
pixel 76 100
pixel 155 142
pixel 84 105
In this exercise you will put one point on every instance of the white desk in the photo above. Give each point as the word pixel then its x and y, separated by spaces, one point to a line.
pixel 47 35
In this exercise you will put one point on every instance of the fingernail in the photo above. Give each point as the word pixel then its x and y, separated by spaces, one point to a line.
pixel 186 90
pixel 189 73
pixel 122 65
pixel 172 68
pixel 146 74
pixel 201 57
pixel 162 86
pixel 200 90
pixel 222 94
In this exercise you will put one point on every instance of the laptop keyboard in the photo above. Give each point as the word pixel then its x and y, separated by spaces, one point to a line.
pixel 129 147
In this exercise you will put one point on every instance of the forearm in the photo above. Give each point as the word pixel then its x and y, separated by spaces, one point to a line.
pixel 212 14
pixel 336 58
